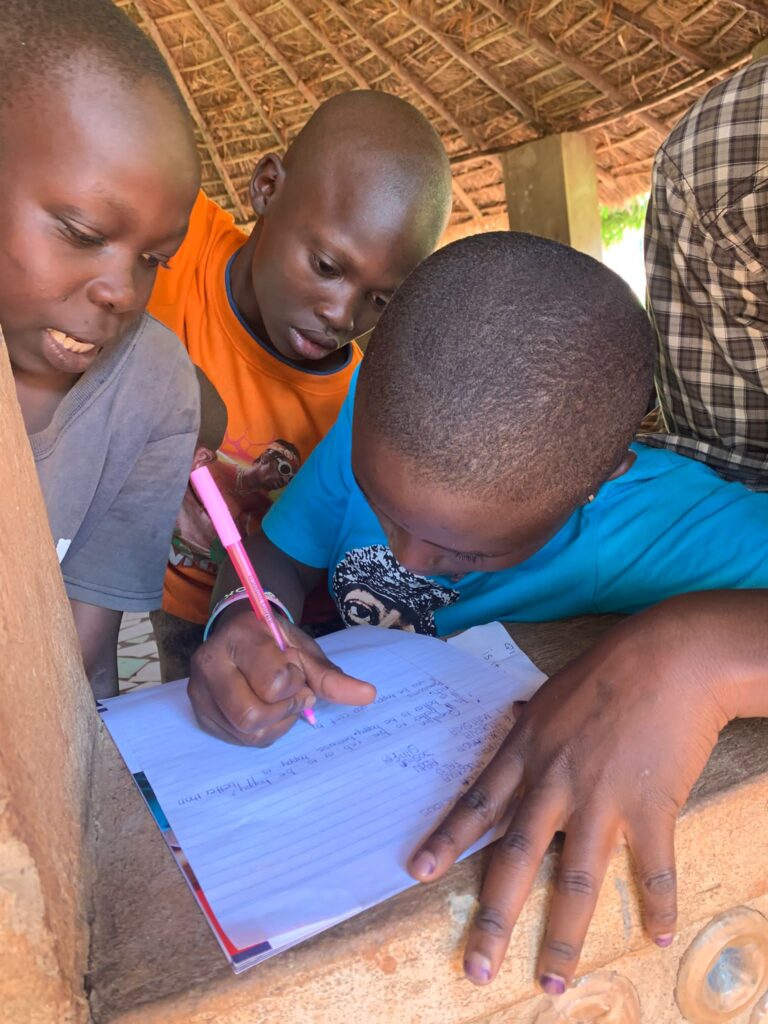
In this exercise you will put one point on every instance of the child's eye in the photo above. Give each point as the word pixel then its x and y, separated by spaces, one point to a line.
pixel 464 557
pixel 153 261
pixel 380 301
pixel 78 237
pixel 324 267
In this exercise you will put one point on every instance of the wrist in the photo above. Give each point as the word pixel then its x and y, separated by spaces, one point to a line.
pixel 727 633
pixel 237 602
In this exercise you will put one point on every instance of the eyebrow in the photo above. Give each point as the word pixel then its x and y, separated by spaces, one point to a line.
pixel 124 210
pixel 442 547
pixel 340 254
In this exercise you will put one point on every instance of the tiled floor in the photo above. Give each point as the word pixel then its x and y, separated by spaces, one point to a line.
pixel 137 663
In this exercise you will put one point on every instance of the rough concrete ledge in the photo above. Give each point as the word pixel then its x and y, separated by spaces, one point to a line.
pixel 155 960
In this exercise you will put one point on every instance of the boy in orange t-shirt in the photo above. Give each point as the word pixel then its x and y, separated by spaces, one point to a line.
pixel 360 198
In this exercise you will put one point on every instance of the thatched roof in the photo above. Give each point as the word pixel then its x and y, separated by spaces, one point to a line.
pixel 488 74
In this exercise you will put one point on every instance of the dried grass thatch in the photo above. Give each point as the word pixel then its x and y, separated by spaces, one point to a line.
pixel 488 74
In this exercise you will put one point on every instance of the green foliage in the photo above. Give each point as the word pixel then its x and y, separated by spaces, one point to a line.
pixel 614 222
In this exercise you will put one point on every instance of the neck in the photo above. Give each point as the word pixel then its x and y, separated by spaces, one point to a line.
pixel 241 286
pixel 39 396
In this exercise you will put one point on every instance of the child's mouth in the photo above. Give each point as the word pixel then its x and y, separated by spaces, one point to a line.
pixel 70 344
pixel 310 347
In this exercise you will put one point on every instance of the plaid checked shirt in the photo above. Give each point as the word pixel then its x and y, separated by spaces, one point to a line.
pixel 706 255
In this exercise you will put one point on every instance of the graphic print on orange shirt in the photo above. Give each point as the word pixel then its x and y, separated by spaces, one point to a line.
pixel 248 488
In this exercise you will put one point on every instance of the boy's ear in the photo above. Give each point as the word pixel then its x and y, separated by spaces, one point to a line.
pixel 627 461
pixel 266 182
pixel 624 466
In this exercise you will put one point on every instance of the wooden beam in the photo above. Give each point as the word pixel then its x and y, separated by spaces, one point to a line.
pixel 522 27
pixel 464 198
pixel 467 201
pixel 231 63
pixel 269 47
pixel 418 88
pixel 658 35
pixel 682 88
pixel 154 33
pixel 753 6
pixel 467 61
pixel 325 42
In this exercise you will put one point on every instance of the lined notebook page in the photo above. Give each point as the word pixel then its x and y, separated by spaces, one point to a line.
pixel 291 839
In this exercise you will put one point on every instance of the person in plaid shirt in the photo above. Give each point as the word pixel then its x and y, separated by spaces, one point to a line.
pixel 706 255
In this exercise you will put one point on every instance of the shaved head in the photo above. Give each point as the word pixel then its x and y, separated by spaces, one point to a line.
pixel 381 146
pixel 360 198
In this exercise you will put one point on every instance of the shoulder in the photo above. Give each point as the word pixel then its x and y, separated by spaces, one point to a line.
pixel 664 468
pixel 163 377
pixel 673 489
pixel 160 350
pixel 698 153
pixel 208 223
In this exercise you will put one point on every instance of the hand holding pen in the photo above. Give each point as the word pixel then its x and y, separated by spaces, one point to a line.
pixel 256 674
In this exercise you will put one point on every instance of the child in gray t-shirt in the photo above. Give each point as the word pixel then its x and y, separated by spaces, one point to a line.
pixel 98 175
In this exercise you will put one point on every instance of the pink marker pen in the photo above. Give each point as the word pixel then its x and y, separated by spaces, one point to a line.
pixel 210 495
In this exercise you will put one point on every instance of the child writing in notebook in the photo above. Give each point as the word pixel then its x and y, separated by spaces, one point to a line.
pixel 464 483
pixel 359 198
pixel 98 174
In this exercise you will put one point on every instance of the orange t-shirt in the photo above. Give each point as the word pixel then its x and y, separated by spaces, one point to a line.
pixel 276 412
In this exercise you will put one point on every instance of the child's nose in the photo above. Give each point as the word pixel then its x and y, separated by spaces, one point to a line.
pixel 338 313
pixel 115 291
pixel 414 555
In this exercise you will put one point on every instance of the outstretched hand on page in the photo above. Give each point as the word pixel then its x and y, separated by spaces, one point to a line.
pixel 244 689
pixel 611 745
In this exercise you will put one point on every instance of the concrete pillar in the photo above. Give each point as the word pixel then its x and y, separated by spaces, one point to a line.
pixel 551 189
pixel 48 725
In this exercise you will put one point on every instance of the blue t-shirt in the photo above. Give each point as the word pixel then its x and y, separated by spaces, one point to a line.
pixel 668 526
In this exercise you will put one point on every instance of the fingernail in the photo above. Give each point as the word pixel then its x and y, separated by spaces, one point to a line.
pixel 552 984
pixel 664 940
pixel 477 967
pixel 423 863
pixel 309 701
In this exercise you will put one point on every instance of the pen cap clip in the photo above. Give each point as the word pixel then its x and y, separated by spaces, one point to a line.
pixel 210 495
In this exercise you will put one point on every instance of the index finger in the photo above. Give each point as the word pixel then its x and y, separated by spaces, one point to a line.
pixel 479 809
pixel 327 680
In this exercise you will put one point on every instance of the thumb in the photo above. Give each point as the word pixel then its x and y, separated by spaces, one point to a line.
pixel 327 680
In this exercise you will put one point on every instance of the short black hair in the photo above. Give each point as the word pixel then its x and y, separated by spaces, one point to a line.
pixel 511 366
pixel 40 39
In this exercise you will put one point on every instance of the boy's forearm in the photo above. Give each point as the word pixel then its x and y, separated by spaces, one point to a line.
pixel 279 573
pixel 718 639
pixel 97 630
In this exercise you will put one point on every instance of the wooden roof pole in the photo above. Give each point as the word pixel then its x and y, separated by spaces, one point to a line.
pixel 418 88
pixel 197 117
pixel 754 6
pixel 266 43
pixel 312 99
pixel 325 42
pixel 231 63
pixel 681 89
pixel 575 64
pixel 468 61
pixel 658 35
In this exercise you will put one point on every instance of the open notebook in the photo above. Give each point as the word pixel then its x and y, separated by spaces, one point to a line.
pixel 280 844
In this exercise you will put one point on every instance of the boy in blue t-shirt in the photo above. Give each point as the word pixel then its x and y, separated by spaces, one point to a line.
pixel 485 469
pixel 462 484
